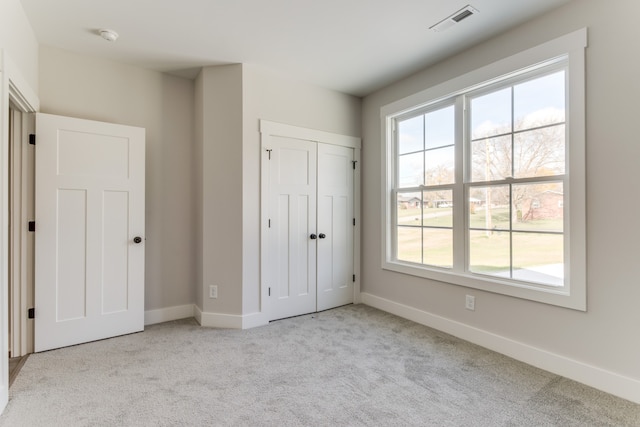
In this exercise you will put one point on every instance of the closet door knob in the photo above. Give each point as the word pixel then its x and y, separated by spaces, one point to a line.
pixel 137 239
pixel 313 237
pixel 322 235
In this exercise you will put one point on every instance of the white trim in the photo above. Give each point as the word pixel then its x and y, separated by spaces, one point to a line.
pixel 21 245
pixel 288 131
pixel 602 379
pixel 573 294
pixel 21 93
pixel 254 320
pixel 197 313
pixel 167 314
pixel 12 86
pixel 357 230
pixel 219 320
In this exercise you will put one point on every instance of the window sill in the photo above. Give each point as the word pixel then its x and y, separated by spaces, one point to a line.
pixel 558 296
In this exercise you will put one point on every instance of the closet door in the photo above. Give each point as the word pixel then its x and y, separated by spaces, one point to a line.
pixel 291 248
pixel 335 226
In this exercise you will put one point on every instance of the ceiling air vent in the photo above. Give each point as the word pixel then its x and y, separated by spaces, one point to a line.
pixel 453 19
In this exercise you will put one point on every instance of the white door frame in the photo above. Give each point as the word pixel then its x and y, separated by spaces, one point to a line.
pixel 14 88
pixel 270 129
pixel 21 243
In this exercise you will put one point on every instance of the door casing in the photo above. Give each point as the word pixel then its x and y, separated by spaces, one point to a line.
pixel 15 89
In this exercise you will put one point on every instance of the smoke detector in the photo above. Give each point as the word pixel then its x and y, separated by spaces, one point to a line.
pixel 109 35
pixel 455 18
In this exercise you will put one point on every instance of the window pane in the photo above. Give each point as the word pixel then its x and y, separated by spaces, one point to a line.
pixel 411 135
pixel 491 159
pixel 440 128
pixel 538 258
pixel 440 166
pixel 492 211
pixel 489 253
pixel 538 207
pixel 410 244
pixel 539 102
pixel 438 247
pixel 438 210
pixel 491 114
pixel 409 209
pixel 411 169
pixel 539 152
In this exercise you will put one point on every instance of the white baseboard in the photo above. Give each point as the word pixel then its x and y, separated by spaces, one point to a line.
pixel 607 381
pixel 167 314
pixel 229 321
pixel 254 320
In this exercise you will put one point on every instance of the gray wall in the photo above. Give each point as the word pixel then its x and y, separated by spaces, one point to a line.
pixel 95 89
pixel 221 163
pixel 606 336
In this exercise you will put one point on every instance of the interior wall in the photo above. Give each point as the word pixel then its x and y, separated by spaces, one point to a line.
pixel 606 336
pixel 221 89
pixel 19 41
pixel 197 163
pixel 269 96
pixel 234 99
pixel 96 89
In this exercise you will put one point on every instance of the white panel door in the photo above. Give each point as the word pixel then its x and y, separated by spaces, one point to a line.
pixel 89 252
pixel 291 257
pixel 335 226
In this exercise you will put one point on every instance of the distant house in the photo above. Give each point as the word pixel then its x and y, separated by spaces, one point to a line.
pixel 545 205
pixel 409 202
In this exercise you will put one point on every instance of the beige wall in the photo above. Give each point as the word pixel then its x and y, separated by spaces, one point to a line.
pixel 606 336
pixel 221 162
pixel 18 41
pixel 95 89
pixel 197 164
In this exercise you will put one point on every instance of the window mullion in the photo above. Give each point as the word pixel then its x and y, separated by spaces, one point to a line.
pixel 460 196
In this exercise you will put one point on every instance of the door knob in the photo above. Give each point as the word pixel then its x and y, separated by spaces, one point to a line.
pixel 313 237
pixel 322 235
pixel 137 239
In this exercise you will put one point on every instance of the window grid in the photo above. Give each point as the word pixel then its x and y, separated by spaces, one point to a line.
pixel 468 183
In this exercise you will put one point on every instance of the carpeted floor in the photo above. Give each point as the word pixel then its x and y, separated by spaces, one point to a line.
pixel 352 366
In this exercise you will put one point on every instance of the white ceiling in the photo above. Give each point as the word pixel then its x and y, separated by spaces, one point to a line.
pixel 352 46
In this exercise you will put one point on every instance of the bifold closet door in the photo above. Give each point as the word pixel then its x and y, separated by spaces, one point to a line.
pixel 335 226
pixel 309 260
pixel 291 261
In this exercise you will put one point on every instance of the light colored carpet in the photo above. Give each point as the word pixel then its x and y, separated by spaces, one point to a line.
pixel 350 366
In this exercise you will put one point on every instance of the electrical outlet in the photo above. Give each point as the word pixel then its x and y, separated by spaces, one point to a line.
pixel 470 303
pixel 213 291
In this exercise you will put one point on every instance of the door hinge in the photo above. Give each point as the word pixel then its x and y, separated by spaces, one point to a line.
pixel 354 222
pixel 354 164
pixel 269 150
pixel 269 291
pixel 354 277
pixel 32 226
pixel 32 139
pixel 31 313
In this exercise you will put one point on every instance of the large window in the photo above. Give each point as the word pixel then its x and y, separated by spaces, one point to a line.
pixel 485 181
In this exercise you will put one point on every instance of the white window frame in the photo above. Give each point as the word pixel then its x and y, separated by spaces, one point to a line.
pixel 573 293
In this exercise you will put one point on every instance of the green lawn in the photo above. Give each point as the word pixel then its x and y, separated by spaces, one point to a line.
pixel 443 217
pixel 488 252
